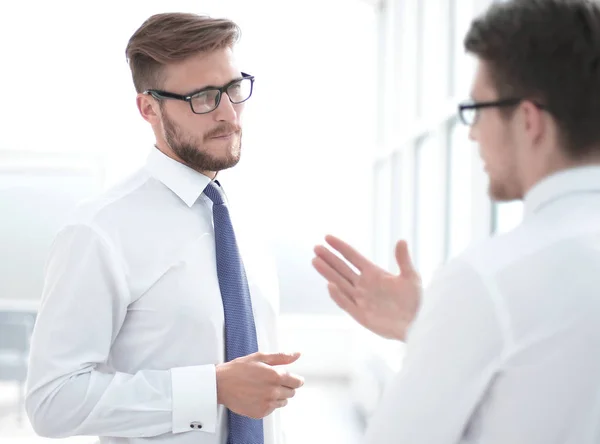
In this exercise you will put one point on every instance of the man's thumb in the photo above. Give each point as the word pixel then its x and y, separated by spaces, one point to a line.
pixel 407 268
pixel 279 358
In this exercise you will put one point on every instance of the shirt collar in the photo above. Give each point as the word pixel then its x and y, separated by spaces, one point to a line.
pixel 582 179
pixel 185 182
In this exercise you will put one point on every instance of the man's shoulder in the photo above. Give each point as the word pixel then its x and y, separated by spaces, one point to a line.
pixel 104 210
pixel 490 256
pixel 111 201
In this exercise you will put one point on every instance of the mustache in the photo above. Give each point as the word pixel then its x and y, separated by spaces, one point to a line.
pixel 223 130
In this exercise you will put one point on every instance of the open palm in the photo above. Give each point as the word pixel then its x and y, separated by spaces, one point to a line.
pixel 383 302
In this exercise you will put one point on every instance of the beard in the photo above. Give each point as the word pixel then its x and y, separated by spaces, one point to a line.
pixel 502 165
pixel 194 153
pixel 505 190
pixel 500 193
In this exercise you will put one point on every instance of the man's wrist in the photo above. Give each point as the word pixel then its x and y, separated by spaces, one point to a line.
pixel 220 377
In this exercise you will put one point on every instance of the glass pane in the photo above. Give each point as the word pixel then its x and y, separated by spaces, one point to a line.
pixel 435 35
pixel 463 66
pixel 460 211
pixel 430 203
pixel 507 216
pixel 407 68
pixel 383 212
pixel 398 206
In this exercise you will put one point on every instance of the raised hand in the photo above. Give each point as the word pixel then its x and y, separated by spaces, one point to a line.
pixel 383 302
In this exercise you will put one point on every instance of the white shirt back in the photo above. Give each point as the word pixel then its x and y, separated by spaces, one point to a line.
pixel 506 347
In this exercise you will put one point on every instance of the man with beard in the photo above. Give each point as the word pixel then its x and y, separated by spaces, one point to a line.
pixel 503 346
pixel 155 325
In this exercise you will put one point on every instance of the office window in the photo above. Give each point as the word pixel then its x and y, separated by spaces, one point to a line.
pixel 405 77
pixel 462 64
pixel 430 205
pixel 435 35
pixel 383 210
pixel 403 200
pixel 427 72
pixel 460 189
pixel 398 207
pixel 439 189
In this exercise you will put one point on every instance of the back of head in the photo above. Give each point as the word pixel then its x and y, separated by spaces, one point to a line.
pixel 173 37
pixel 547 51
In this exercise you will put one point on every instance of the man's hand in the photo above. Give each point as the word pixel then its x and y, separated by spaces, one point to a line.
pixel 383 302
pixel 253 386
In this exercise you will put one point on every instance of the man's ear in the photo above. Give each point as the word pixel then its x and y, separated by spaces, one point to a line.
pixel 533 121
pixel 148 108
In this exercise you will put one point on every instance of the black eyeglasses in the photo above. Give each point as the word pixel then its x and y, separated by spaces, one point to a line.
pixel 207 99
pixel 469 111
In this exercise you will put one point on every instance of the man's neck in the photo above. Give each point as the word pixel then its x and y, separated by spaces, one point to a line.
pixel 169 153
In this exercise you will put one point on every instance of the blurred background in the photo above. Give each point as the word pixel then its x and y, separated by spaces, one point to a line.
pixel 352 130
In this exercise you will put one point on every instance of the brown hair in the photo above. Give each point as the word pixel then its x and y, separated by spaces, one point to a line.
pixel 172 37
pixel 546 51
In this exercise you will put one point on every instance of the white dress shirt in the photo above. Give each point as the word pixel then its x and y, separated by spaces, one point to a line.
pixel 131 322
pixel 506 346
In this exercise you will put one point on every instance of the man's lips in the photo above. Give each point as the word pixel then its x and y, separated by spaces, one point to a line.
pixel 223 136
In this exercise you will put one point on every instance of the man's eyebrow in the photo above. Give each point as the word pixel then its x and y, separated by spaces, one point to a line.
pixel 215 86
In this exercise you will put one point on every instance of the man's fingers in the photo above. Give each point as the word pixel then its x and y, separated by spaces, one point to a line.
pixel 277 358
pixel 291 381
pixel 351 255
pixel 407 268
pixel 332 275
pixel 281 403
pixel 336 263
pixel 342 301
pixel 285 393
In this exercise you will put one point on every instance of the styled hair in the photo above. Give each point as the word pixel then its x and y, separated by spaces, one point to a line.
pixel 172 37
pixel 546 51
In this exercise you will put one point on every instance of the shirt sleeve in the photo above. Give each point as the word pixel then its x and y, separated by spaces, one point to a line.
pixel 452 353
pixel 70 389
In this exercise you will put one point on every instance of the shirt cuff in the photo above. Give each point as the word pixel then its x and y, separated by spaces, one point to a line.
pixel 194 394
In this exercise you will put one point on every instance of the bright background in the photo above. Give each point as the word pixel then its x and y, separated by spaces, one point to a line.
pixel 352 130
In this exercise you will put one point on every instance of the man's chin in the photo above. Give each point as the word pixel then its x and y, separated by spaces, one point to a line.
pixel 500 194
pixel 229 163
pixel 223 163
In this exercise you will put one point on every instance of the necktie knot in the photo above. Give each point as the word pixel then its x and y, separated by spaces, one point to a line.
pixel 213 192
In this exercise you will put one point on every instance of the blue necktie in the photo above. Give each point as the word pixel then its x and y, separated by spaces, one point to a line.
pixel 240 331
